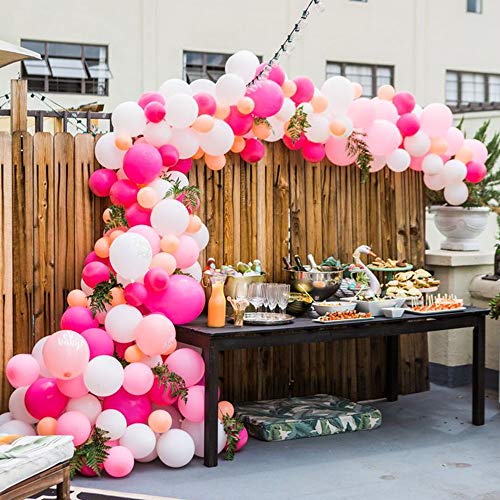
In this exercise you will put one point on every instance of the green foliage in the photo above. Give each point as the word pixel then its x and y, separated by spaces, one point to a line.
pixel 117 218
pixel 357 145
pixel 167 378
pixel 122 361
pixel 101 296
pixel 188 195
pixel 298 124
pixel 495 307
pixel 232 428
pixel 92 453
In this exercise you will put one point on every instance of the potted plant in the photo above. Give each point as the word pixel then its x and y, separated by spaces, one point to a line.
pixel 462 225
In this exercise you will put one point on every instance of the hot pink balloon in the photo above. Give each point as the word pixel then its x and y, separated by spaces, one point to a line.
pixel 194 408
pixel 161 394
pixel 123 192
pixel 385 110
pixel 362 112
pixel 187 363
pixel 416 163
pixel 155 112
pixel 478 149
pixel 337 153
pixel 169 155
pixel 150 234
pixel 305 90
pixel 73 388
pixel 476 172
pixel 156 279
pixel 242 439
pixel 94 273
pixel 277 73
pixel 92 257
pixel 313 151
pixel 240 123
pixel 101 180
pixel 135 294
pixel 44 399
pixel 138 378
pixel 187 253
pixel 136 409
pixel 181 302
pixel 207 105
pixel 22 370
pixel 137 215
pixel 142 163
pixel 455 140
pixel 253 151
pixel 408 124
pixel 76 424
pixel 382 137
pixel 78 319
pixel 404 102
pixel 154 334
pixel 99 341
pixel 268 98
pixel 121 347
pixel 183 166
pixel 148 97
pixel 436 119
pixel 294 146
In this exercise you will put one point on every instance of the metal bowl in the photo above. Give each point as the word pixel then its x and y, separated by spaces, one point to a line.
pixel 319 285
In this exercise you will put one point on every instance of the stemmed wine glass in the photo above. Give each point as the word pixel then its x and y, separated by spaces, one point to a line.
pixel 256 295
pixel 283 296
pixel 272 295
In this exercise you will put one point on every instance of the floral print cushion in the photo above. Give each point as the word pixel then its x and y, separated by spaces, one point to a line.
pixel 307 416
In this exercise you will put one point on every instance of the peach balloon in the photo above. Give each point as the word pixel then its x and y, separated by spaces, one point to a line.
pixel 77 298
pixel 215 162
pixel 337 127
pixel 147 197
pixel 245 105
pixel 261 130
pixel 160 421
pixel 123 142
pixel 114 234
pixel 204 124
pixel 165 261
pixel 101 247
pixel 222 111
pixel 169 243
pixel 464 154
pixel 194 224
pixel 289 88
pixel 358 90
pixel 106 215
pixel 438 145
pixel 225 408
pixel 133 354
pixel 238 144
pixel 171 349
pixel 46 426
pixel 386 92
pixel 199 154
pixel 319 103
pixel 117 296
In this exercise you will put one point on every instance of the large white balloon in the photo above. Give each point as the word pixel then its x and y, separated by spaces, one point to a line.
pixel 194 271
pixel 340 92
pixel 149 458
pixel 277 129
pixel 399 160
pixel 161 187
pixel 182 111
pixel 287 110
pixel 219 140
pixel 103 376
pixel 229 89
pixel 456 194
pixel 197 431
pixel 173 87
pixel 128 118
pixel 175 448
pixel 201 237
pixel 121 322
pixel 186 141
pixel 434 182
pixel 203 86
pixel 319 130
pixel 37 353
pixel 17 408
pixel 5 417
pixel 107 154
pixel 453 172
pixel 113 422
pixel 418 144
pixel 89 405
pixel 157 134
pixel 18 427
pixel 139 439
pixel 244 64
pixel 130 255
pixel 432 164
pixel 175 176
pixel 169 217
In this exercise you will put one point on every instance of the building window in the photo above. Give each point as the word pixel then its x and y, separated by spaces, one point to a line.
pixel 67 68
pixel 472 91
pixel 204 65
pixel 370 76
pixel 475 6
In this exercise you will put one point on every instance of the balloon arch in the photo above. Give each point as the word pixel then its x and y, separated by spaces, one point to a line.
pixel 113 376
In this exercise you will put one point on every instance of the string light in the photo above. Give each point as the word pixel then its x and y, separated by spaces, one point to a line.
pixel 288 45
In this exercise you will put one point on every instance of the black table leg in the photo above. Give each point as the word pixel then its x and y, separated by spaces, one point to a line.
pixel 210 356
pixel 392 368
pixel 478 348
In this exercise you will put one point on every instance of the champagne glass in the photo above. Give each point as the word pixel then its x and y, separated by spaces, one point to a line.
pixel 272 296
pixel 283 296
pixel 265 295
pixel 256 295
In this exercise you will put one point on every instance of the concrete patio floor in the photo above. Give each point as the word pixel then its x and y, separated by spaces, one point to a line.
pixel 426 449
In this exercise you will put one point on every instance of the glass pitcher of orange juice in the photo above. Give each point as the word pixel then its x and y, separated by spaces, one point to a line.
pixel 217 302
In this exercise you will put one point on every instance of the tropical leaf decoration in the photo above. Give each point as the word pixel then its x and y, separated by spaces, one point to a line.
pixel 167 378
pixel 117 218
pixel 102 296
pixel 357 145
pixel 495 307
pixel 189 196
pixel 232 428
pixel 298 124
pixel 92 453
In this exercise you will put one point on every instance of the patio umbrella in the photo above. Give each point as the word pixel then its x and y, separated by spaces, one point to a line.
pixel 10 53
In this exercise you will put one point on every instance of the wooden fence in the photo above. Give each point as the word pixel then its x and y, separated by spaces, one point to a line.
pixel 49 221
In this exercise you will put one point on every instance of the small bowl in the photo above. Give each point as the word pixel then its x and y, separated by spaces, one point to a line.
pixel 298 307
pixel 393 312
pixel 325 307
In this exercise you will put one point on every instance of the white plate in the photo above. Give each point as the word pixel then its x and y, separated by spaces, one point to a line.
pixel 427 313
pixel 317 320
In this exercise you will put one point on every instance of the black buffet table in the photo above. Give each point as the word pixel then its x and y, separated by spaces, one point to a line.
pixel 305 331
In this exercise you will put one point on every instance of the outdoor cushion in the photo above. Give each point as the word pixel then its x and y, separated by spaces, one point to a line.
pixel 308 416
pixel 29 455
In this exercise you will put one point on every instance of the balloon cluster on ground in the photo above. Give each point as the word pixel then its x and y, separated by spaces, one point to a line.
pixel 181 122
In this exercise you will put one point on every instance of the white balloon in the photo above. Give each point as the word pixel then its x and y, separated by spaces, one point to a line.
pixel 182 111
pixel 128 118
pixel 175 175
pixel 148 458
pixel 161 187
pixel 244 64
pixel 197 431
pixel 37 353
pixel 201 237
pixel 113 422
pixel 5 417
pixel 434 182
pixel 229 89
pixel 157 134
pixel 399 160
pixel 175 448
pixel 103 376
pixel 121 322
pixel 319 130
pixel 418 144
pixel 417 110
pixel 219 140
pixel 186 141
pixel 125 281
pixel 307 108
pixel 173 87
pixel 107 154
pixel 340 92
pixel 194 271
pixel 17 408
pixel 453 172
pixel 169 217
pixel 277 129
pixel 87 290
pixel 130 255
pixel 175 414
pixel 456 194
pixel 152 361
pixel 203 86
pixel 139 439
pixel 432 164
pixel 287 110
pixel 18 427
pixel 89 405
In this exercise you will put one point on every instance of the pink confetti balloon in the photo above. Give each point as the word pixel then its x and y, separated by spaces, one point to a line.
pixel 142 163
pixel 78 319
pixel 404 102
pixel 123 192
pixel 101 181
pixel 22 370
pixel 268 98
pixel 336 151
pixel 44 399
pixel 136 409
pixel 253 151
pixel 476 172
pixel 305 90
pixel 187 363
pixel 99 341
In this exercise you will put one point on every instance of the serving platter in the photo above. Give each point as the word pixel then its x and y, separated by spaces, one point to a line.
pixel 267 318
pixel 428 313
pixel 409 267
pixel 317 320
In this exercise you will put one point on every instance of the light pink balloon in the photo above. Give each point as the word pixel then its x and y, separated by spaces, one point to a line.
pixel 385 110
pixel 187 363
pixel 362 113
pixel 378 163
pixel 154 334
pixel 455 139
pixel 76 424
pixel 187 253
pixel 120 462
pixel 436 119
pixel 150 234
pixel 382 137
pixel 194 408
pixel 138 378
pixel 416 163
pixel 478 148
pixel 22 370
pixel 73 388
pixel 336 152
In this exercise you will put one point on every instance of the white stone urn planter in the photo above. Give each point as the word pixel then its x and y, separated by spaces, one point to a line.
pixel 461 226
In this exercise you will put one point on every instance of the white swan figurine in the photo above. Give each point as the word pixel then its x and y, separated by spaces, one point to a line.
pixel 374 287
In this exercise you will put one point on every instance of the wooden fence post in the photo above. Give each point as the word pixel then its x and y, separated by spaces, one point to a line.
pixel 19 105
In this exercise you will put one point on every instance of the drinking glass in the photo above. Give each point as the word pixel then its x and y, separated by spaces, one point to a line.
pixel 265 295
pixel 283 296
pixel 256 295
pixel 272 296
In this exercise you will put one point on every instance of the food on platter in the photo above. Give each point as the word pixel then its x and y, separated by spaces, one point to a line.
pixel 439 303
pixel 380 263
pixel 346 315
pixel 411 284
pixel 325 307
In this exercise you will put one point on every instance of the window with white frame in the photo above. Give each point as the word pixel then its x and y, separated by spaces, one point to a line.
pixel 67 68
pixel 369 76
pixel 204 65
pixel 475 6
pixel 471 90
